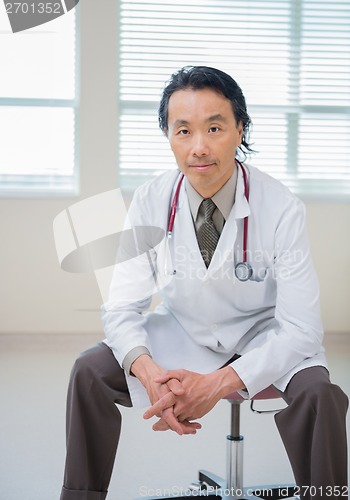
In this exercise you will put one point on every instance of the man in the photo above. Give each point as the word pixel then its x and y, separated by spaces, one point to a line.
pixel 213 333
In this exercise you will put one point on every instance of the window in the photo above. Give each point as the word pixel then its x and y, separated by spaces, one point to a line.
pixel 38 109
pixel 291 58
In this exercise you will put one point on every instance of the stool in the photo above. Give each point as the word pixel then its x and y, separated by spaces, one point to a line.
pixel 213 486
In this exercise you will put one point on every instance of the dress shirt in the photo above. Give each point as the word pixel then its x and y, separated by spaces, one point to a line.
pixel 223 199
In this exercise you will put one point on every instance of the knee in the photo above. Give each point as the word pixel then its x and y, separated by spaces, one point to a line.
pixel 312 386
pixel 82 369
pixel 81 364
pixel 325 396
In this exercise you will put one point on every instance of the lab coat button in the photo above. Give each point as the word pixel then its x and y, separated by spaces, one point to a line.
pixel 214 327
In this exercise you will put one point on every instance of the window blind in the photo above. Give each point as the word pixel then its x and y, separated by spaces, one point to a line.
pixel 38 103
pixel 291 59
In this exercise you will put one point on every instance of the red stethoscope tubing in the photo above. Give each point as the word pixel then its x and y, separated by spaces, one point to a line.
pixel 245 222
pixel 174 207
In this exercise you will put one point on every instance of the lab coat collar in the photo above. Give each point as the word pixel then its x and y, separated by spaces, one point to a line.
pixel 241 207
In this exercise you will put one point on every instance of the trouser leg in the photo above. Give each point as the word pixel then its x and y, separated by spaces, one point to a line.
pixel 313 430
pixel 97 382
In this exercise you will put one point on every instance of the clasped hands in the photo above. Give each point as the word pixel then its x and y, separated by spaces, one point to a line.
pixel 179 397
pixel 187 396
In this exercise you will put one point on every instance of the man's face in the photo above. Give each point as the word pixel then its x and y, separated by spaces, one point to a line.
pixel 203 135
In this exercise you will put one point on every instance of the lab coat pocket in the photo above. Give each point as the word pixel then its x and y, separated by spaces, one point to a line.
pixel 257 293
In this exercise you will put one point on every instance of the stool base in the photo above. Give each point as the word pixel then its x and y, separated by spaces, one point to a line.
pixel 210 485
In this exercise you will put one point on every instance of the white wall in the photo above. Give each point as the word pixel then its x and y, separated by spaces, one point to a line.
pixel 36 296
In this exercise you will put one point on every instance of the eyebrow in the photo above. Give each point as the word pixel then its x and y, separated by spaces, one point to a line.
pixel 180 123
pixel 213 118
pixel 217 118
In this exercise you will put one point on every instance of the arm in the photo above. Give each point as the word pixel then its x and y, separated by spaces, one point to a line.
pixel 296 333
pixel 122 315
pixel 123 324
pixel 133 284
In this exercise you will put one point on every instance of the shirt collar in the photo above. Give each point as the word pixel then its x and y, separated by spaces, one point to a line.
pixel 224 199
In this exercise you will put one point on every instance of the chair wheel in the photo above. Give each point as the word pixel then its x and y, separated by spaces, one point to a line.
pixel 197 486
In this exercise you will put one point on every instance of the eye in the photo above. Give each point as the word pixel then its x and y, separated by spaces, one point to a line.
pixel 213 130
pixel 183 131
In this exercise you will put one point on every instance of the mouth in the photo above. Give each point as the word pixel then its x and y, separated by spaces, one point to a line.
pixel 202 167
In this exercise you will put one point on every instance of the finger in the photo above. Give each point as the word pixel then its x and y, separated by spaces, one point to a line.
pixel 163 403
pixel 190 427
pixel 176 387
pixel 172 421
pixel 181 428
pixel 168 375
pixel 187 427
pixel 161 425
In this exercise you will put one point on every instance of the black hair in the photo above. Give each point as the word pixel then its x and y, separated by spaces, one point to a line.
pixel 201 77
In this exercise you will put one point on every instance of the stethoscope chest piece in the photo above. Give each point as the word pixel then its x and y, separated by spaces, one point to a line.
pixel 243 271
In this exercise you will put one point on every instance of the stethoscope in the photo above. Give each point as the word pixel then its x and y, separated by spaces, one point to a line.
pixel 243 270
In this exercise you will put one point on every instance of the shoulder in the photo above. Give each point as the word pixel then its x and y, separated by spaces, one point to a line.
pixel 157 189
pixel 151 200
pixel 273 204
pixel 267 189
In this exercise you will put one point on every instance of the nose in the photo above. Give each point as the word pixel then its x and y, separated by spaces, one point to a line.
pixel 200 146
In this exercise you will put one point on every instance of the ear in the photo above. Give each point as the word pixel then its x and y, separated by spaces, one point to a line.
pixel 240 130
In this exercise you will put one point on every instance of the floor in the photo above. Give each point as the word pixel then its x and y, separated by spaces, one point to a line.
pixel 34 373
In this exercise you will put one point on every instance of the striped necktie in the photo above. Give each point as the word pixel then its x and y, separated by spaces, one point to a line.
pixel 207 234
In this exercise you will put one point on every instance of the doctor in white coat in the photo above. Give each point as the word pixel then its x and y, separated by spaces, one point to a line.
pixel 218 329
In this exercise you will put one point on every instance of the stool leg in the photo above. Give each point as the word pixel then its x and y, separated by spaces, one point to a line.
pixel 235 451
pixel 234 464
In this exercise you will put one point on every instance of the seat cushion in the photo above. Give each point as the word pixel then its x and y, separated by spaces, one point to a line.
pixel 268 393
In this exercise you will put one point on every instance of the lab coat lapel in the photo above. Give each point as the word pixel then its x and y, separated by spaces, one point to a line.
pixel 228 236
pixel 185 241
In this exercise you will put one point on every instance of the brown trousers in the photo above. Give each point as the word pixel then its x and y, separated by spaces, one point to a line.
pixel 312 427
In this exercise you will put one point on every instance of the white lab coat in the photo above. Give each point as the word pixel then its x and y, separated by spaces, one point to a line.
pixel 207 315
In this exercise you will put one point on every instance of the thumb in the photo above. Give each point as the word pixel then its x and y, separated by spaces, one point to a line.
pixel 168 375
